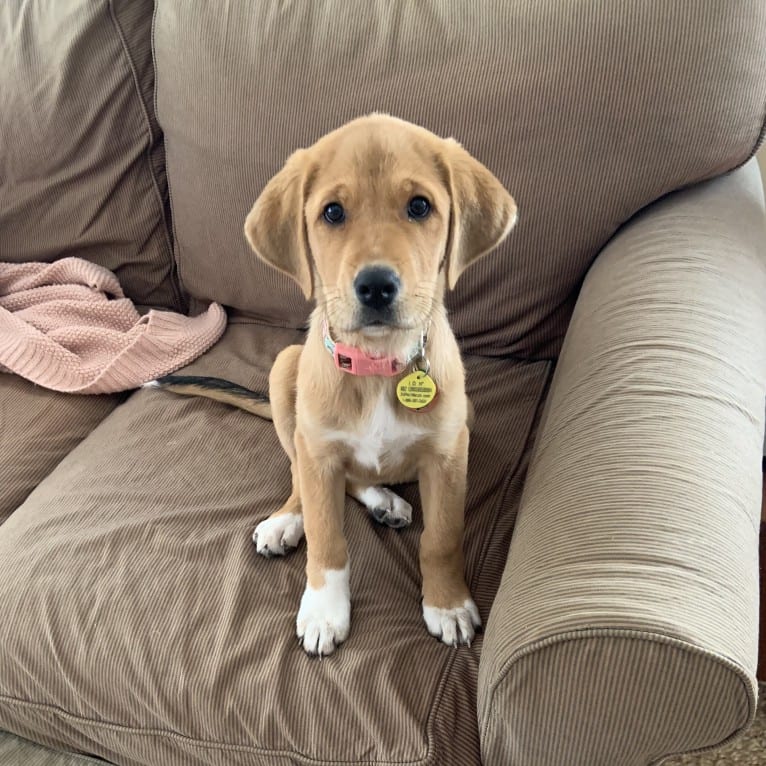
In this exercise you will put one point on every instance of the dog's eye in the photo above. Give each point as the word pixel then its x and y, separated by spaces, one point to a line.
pixel 334 213
pixel 418 208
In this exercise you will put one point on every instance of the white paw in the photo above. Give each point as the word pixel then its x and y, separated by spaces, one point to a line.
pixel 278 535
pixel 453 626
pixel 324 617
pixel 386 506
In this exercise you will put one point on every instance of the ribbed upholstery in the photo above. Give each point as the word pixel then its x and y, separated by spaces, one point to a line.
pixel 81 160
pixel 136 621
pixel 37 429
pixel 587 111
pixel 625 626
pixel 174 643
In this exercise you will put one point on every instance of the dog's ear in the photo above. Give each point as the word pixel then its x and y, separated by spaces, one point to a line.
pixel 276 227
pixel 482 212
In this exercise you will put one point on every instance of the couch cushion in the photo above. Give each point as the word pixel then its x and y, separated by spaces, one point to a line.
pixel 81 160
pixel 587 111
pixel 140 625
pixel 37 429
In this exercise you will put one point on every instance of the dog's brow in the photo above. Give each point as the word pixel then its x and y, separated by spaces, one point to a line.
pixel 337 192
pixel 412 183
pixel 418 185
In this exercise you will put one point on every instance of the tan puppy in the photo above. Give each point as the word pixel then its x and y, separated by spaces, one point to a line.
pixel 373 222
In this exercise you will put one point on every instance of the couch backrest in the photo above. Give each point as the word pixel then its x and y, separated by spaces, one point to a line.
pixel 587 110
pixel 81 157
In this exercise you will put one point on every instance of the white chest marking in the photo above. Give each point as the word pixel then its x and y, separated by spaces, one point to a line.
pixel 382 434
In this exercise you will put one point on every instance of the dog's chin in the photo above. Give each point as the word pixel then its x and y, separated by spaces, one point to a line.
pixel 377 330
pixel 378 337
pixel 387 330
pixel 371 324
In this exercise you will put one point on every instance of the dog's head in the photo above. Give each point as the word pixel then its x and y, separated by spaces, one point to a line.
pixel 373 218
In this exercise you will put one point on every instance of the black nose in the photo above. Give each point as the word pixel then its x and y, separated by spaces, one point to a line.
pixel 376 287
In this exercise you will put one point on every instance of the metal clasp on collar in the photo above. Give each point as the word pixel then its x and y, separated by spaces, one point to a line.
pixel 420 357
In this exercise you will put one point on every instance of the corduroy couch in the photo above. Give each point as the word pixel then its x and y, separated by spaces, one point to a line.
pixel 615 349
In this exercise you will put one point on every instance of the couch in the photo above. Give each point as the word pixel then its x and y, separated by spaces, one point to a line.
pixel 614 349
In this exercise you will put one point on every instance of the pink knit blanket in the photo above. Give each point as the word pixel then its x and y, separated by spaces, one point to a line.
pixel 68 326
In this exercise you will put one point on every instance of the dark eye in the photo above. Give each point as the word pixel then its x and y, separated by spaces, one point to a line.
pixel 334 213
pixel 418 208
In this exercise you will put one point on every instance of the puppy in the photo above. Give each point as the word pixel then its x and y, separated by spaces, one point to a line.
pixel 374 222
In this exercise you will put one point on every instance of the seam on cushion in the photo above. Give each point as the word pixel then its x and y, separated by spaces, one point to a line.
pixel 173 234
pixel 534 421
pixel 180 302
pixel 241 319
pixel 277 325
pixel 204 744
pixel 442 685
pixel 639 635
pixel 761 136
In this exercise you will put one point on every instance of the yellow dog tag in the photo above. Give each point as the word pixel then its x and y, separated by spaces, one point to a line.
pixel 416 390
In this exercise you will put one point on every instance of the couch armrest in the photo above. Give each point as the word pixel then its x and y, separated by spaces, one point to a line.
pixel 625 626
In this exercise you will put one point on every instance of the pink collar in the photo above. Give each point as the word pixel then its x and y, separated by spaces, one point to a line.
pixel 357 362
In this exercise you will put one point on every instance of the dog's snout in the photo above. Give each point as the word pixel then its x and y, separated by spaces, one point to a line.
pixel 376 287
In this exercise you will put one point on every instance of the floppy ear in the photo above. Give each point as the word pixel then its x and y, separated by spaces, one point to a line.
pixel 482 212
pixel 275 227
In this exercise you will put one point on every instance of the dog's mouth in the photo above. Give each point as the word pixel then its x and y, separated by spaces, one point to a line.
pixel 379 326
pixel 376 328
pixel 376 321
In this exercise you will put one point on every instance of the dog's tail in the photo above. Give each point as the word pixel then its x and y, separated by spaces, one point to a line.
pixel 218 389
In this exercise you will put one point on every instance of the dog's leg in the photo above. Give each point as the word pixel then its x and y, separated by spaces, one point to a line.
pixel 283 530
pixel 324 617
pixel 384 505
pixel 448 609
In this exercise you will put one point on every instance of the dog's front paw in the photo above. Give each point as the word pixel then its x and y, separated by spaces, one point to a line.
pixel 278 534
pixel 324 617
pixel 453 626
pixel 386 507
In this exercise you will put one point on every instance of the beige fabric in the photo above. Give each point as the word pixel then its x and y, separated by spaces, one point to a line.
pixel 140 625
pixel 586 111
pixel 37 429
pixel 69 327
pixel 625 627
pixel 81 160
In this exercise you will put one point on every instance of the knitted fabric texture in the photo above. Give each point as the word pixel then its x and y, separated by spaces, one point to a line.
pixel 68 326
